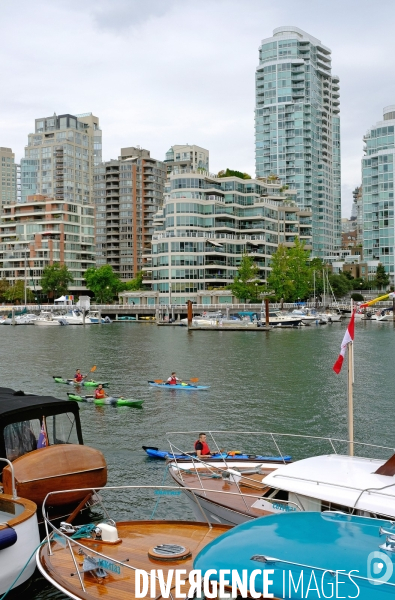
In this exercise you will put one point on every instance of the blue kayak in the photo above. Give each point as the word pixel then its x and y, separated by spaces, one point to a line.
pixel 179 386
pixel 164 454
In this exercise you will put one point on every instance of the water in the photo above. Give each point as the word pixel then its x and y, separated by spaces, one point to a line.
pixel 280 381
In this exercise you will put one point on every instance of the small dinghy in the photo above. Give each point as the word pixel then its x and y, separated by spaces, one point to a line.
pixel 164 455
pixel 179 386
pixel 87 383
pixel 109 400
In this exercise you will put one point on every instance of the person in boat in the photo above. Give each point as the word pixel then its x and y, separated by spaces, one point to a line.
pixel 78 377
pixel 99 392
pixel 173 379
pixel 201 447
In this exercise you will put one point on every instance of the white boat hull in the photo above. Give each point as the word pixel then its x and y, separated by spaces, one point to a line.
pixel 15 557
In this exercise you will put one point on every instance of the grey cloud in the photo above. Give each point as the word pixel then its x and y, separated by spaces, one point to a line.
pixel 160 72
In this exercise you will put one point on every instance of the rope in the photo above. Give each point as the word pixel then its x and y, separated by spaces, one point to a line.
pixel 29 559
pixel 82 532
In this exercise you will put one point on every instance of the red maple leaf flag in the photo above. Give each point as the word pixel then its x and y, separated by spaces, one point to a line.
pixel 348 337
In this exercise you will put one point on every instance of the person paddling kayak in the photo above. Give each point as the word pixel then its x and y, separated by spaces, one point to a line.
pixel 201 447
pixel 99 392
pixel 78 377
pixel 173 379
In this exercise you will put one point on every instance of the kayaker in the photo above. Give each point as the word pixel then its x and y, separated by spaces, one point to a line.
pixel 173 379
pixel 201 447
pixel 78 377
pixel 99 392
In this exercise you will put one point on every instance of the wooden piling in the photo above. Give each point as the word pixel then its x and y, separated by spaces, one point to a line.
pixel 267 312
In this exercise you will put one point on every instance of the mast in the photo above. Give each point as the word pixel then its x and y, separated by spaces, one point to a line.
pixel 323 282
pixel 315 301
pixel 350 392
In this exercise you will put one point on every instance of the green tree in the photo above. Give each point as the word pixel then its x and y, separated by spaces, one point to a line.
pixel 244 285
pixel 134 284
pixel 232 173
pixel 16 293
pixel 103 282
pixel 55 280
pixel 340 284
pixel 4 287
pixel 382 278
pixel 291 274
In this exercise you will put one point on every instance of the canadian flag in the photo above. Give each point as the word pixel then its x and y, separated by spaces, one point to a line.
pixel 348 337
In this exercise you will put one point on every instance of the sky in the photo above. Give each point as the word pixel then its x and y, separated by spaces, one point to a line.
pixel 164 72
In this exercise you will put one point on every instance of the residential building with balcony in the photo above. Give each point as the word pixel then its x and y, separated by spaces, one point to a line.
pixel 206 225
pixel 42 231
pixel 8 176
pixel 378 192
pixel 128 193
pixel 297 127
pixel 60 158
pixel 187 157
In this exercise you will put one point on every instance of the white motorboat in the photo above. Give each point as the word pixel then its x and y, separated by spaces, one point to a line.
pixel 350 484
pixel 382 315
pixel 73 317
pixel 279 319
pixel 19 537
pixel 46 318
pixel 330 317
pixel 93 317
pixel 309 317
pixel 214 319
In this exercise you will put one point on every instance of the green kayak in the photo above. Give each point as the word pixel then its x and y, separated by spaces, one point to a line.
pixel 87 383
pixel 109 400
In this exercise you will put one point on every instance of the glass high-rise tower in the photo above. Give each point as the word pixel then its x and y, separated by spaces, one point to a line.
pixel 297 127
pixel 378 192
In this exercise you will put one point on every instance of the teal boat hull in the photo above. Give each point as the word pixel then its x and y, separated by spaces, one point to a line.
pixel 179 386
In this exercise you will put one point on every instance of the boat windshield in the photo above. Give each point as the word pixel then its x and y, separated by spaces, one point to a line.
pixel 23 437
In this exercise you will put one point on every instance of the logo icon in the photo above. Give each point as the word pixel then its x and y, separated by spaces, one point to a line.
pixel 379 568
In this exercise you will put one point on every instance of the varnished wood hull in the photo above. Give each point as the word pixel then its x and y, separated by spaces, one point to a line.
pixel 138 539
pixel 57 468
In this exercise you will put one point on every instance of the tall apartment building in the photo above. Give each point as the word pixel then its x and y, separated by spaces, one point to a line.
pixel 8 176
pixel 207 224
pixel 378 192
pixel 128 193
pixel 42 231
pixel 297 127
pixel 60 158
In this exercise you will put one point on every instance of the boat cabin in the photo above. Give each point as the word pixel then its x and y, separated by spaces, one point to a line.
pixel 22 418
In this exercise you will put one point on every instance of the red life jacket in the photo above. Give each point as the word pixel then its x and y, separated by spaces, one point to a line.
pixel 79 377
pixel 173 381
pixel 100 394
pixel 205 450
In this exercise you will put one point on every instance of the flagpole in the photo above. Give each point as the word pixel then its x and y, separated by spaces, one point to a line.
pixel 350 392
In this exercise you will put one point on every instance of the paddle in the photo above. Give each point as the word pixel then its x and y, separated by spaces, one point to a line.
pixel 93 369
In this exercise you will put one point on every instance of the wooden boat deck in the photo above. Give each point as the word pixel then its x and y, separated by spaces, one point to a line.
pixel 138 537
pixel 240 502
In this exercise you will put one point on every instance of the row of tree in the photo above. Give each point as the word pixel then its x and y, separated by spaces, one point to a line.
pixel 294 277
pixel 56 279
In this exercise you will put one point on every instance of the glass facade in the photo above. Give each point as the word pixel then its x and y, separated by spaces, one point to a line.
pixel 378 192
pixel 297 128
pixel 60 157
pixel 207 223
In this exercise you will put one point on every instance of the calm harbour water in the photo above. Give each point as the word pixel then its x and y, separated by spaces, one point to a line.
pixel 279 381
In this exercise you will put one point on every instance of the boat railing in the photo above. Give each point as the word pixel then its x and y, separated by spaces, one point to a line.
pixel 9 463
pixel 276 438
pixel 212 469
pixel 54 533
